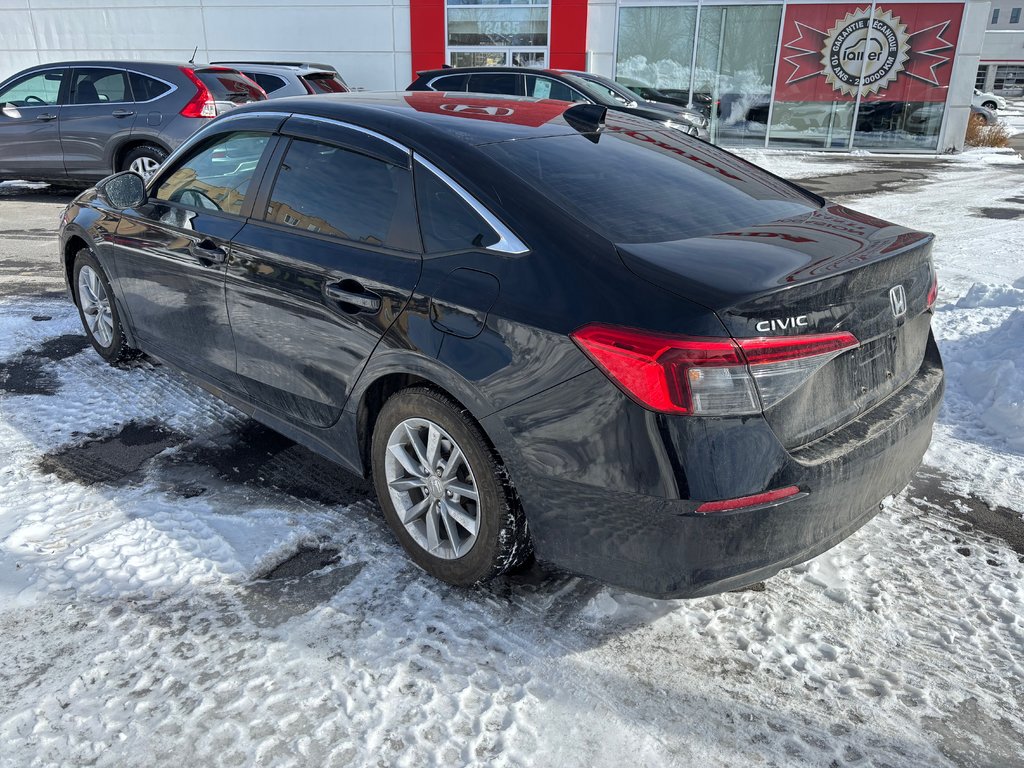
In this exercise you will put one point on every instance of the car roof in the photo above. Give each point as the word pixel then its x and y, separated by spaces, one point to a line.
pixel 126 63
pixel 280 67
pixel 418 118
pixel 486 69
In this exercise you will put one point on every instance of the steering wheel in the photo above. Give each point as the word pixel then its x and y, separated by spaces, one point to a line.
pixel 34 99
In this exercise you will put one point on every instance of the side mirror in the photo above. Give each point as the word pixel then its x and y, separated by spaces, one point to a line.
pixel 123 190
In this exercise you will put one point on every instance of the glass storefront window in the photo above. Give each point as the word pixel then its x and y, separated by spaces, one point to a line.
pixel 735 63
pixel 512 25
pixel 655 47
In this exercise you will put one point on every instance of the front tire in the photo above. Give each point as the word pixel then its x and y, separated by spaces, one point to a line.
pixel 443 490
pixel 144 160
pixel 98 309
pixel 990 105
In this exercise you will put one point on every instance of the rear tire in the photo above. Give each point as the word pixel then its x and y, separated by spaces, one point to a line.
pixel 990 105
pixel 144 160
pixel 444 491
pixel 98 309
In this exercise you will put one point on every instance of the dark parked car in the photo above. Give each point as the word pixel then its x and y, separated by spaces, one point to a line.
pixel 282 78
pixel 626 349
pixel 581 87
pixel 83 120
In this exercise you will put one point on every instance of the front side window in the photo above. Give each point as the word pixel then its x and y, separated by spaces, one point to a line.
pixel 37 90
pixel 99 86
pixel 332 191
pixel 546 88
pixel 215 177
pixel 447 222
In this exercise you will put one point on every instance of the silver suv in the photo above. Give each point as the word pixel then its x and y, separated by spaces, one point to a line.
pixel 286 78
pixel 79 121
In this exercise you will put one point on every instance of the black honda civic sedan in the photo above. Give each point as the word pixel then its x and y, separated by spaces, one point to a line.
pixel 538 326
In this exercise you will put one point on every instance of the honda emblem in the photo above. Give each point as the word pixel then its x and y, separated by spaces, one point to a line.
pixel 898 300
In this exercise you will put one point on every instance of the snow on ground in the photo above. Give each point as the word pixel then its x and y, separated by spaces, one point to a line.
pixel 142 620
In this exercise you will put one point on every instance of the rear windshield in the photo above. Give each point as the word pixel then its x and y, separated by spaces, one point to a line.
pixel 325 83
pixel 650 186
pixel 228 85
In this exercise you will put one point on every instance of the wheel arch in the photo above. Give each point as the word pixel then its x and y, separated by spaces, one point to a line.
pixel 74 243
pixel 402 370
pixel 121 150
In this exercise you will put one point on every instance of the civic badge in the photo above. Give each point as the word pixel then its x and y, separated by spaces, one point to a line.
pixel 898 300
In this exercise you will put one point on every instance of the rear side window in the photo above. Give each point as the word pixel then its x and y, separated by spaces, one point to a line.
pixel 450 83
pixel 35 90
pixel 494 82
pixel 215 177
pixel 145 88
pixel 446 220
pixel 332 191
pixel 99 86
pixel 268 83
pixel 228 85
pixel 325 83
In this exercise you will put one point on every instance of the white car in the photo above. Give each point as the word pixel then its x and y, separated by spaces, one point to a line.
pixel 988 100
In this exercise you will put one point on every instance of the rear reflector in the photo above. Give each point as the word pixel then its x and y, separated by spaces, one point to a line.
pixel 707 376
pixel 748 501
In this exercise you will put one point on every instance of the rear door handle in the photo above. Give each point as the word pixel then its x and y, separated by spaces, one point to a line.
pixel 46 118
pixel 122 113
pixel 352 293
pixel 208 252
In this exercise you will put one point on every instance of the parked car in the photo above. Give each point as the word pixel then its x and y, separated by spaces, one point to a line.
pixel 280 79
pixel 988 100
pixel 984 116
pixel 536 325
pixel 83 120
pixel 561 85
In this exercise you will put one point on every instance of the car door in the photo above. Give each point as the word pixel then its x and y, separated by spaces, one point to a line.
pixel 171 252
pixel 29 128
pixel 323 268
pixel 99 113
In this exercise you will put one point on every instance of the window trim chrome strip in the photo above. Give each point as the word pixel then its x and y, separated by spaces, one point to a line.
pixel 508 242
pixel 358 128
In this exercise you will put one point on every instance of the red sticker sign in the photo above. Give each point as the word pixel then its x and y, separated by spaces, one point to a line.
pixel 901 52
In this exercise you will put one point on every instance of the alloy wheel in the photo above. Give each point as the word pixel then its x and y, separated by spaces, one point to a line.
pixel 433 488
pixel 144 166
pixel 95 304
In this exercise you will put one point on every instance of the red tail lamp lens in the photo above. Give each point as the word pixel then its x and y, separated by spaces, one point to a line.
pixel 933 292
pixel 707 376
pixel 202 104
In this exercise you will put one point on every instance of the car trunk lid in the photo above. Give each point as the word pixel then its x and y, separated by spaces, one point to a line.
pixel 829 270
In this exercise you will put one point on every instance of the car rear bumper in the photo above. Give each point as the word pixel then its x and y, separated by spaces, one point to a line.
pixel 658 545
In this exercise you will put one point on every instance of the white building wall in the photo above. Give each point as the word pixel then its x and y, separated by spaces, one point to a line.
pixel 367 40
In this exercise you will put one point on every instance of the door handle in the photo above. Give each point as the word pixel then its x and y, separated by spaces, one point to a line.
pixel 208 252
pixel 122 113
pixel 46 118
pixel 352 293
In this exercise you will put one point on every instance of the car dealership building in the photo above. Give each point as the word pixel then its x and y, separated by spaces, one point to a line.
pixel 827 75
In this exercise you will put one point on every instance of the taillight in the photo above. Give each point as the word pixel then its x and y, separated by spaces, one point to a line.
pixel 306 85
pixel 933 292
pixel 202 104
pixel 707 376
